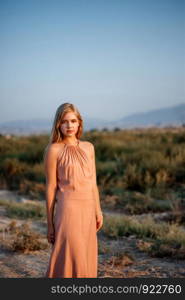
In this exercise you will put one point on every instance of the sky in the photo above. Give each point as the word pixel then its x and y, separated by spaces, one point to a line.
pixel 110 58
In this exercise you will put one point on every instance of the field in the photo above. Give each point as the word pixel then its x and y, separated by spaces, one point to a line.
pixel 141 180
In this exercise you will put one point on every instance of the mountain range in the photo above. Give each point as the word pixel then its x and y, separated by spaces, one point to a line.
pixel 163 117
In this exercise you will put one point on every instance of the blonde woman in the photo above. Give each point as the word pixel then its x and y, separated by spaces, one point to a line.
pixel 71 188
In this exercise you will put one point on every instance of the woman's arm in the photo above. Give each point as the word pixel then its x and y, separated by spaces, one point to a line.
pixel 50 161
pixel 95 187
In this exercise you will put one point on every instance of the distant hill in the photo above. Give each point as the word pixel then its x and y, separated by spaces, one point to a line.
pixel 160 117
pixel 170 116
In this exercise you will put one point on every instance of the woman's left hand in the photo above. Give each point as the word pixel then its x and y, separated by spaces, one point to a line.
pixel 99 222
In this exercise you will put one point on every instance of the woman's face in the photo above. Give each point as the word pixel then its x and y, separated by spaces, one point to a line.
pixel 69 124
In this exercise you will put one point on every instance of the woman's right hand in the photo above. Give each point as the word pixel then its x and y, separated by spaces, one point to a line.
pixel 51 234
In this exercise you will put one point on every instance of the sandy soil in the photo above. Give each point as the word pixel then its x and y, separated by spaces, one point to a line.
pixel 132 263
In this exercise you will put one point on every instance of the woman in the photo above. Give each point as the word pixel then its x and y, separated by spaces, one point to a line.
pixel 71 184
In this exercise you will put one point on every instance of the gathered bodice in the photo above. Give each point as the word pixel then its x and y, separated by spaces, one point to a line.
pixel 75 171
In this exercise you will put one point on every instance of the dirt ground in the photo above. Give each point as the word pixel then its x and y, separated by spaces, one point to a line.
pixel 132 262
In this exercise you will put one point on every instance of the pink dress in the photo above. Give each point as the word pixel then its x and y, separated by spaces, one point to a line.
pixel 75 253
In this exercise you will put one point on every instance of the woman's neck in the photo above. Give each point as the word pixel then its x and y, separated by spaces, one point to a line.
pixel 70 140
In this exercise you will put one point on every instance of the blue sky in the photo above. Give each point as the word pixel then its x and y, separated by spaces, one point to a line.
pixel 110 58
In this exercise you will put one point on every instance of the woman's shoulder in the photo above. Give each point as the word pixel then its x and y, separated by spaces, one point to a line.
pixel 89 147
pixel 88 144
pixel 53 148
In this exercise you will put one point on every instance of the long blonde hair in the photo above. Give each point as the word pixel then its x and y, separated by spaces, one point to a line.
pixel 56 135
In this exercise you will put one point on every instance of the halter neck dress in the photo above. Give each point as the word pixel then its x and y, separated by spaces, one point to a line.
pixel 74 253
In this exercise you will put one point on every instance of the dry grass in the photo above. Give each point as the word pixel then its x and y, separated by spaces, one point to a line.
pixel 24 210
pixel 21 238
pixel 163 239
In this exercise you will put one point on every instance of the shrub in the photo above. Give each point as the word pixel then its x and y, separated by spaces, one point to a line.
pixel 23 239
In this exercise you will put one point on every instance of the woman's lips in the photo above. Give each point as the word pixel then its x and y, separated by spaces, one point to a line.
pixel 70 130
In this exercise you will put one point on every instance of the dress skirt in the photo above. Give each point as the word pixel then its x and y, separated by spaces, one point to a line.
pixel 74 253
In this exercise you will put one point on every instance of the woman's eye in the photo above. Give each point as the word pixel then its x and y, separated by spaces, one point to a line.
pixel 65 121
